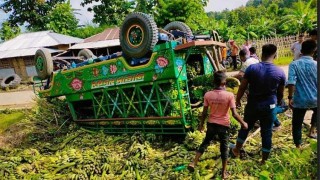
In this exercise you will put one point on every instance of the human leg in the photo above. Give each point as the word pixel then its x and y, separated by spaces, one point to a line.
pixel 297 120
pixel 312 133
pixel 234 62
pixel 276 120
pixel 205 143
pixel 223 134
pixel 267 117
pixel 250 119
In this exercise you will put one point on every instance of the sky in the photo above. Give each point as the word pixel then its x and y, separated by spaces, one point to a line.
pixel 219 5
pixel 85 17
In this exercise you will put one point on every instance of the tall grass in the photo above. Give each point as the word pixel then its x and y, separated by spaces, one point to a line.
pixel 6 120
pixel 283 61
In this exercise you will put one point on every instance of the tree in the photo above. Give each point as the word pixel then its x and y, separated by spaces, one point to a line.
pixel 61 19
pixel 145 6
pixel 244 16
pixel 110 12
pixel 8 32
pixel 191 12
pixel 31 13
pixel 300 18
pixel 88 31
pixel 264 27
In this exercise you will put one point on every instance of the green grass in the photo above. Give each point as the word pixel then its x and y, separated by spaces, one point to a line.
pixel 282 61
pixel 6 120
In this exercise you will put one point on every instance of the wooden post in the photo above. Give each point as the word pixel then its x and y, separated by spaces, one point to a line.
pixel 16 67
pixel 24 74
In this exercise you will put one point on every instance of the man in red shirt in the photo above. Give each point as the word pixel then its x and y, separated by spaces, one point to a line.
pixel 219 101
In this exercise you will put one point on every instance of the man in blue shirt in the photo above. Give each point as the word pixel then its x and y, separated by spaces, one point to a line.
pixel 302 84
pixel 266 85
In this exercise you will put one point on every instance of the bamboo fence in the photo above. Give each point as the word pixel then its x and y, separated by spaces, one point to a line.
pixel 283 44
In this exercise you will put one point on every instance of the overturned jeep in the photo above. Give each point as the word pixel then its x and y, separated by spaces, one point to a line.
pixel 146 87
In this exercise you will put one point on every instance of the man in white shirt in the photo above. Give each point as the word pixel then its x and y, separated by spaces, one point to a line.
pixel 296 47
pixel 246 63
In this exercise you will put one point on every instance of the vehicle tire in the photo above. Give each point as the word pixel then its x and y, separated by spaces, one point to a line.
pixel 86 54
pixel 44 63
pixel 177 25
pixel 229 60
pixel 11 81
pixel 138 35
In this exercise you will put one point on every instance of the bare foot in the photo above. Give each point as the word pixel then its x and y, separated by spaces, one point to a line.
pixel 225 175
pixel 312 135
pixel 191 167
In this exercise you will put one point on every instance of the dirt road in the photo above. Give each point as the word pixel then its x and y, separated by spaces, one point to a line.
pixel 20 99
pixel 285 69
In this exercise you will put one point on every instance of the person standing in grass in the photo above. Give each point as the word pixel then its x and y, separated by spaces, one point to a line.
pixel 219 101
pixel 296 47
pixel 302 85
pixel 266 86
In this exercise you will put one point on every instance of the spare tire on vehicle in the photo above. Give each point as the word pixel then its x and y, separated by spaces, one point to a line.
pixel 138 35
pixel 44 63
pixel 11 81
pixel 177 25
pixel 86 54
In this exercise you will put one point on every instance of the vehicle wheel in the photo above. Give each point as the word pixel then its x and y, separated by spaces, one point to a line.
pixel 86 54
pixel 44 63
pixel 177 25
pixel 138 35
pixel 229 60
pixel 11 81
pixel 226 64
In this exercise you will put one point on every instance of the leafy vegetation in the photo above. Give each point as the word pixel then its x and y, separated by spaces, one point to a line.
pixel 8 32
pixel 110 12
pixel 258 19
pixel 266 18
pixel 32 14
pixel 75 153
pixel 9 117
pixel 62 19
pixel 88 30
pixel 282 61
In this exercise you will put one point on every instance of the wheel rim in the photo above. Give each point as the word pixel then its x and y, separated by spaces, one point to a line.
pixel 40 63
pixel 135 36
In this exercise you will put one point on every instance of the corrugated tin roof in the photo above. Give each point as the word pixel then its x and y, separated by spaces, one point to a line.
pixel 108 34
pixel 98 44
pixel 107 38
pixel 23 52
pixel 28 43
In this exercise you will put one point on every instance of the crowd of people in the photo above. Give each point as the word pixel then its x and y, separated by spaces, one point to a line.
pixel 265 84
